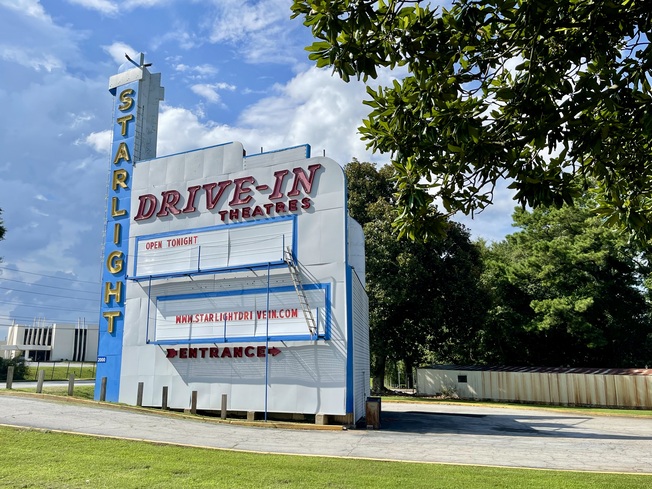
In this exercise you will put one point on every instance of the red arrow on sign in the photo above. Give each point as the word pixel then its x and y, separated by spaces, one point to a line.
pixel 273 351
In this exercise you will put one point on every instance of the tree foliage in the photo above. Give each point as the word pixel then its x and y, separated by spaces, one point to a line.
pixel 562 291
pixel 566 292
pixel 20 369
pixel 424 299
pixel 549 94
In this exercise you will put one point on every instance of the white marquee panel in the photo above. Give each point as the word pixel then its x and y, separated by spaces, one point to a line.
pixel 228 246
pixel 236 316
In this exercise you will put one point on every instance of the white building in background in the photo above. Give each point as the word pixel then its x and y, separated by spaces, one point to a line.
pixel 52 342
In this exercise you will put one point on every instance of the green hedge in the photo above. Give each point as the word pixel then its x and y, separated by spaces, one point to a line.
pixel 20 369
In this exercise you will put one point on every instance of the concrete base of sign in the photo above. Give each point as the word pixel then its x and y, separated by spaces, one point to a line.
pixel 346 420
pixel 327 419
pixel 321 419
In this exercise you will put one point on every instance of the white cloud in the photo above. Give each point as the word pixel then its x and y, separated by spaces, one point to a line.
pixel 99 141
pixel 104 6
pixel 30 58
pixel 181 129
pixel 132 4
pixel 199 71
pixel 33 8
pixel 209 91
pixel 317 108
pixel 204 69
pixel 180 33
pixel 237 18
pixel 108 7
pixel 117 51
pixel 313 108
pixel 79 119
pixel 38 212
pixel 53 193
pixel 259 30
pixel 206 91
pixel 31 39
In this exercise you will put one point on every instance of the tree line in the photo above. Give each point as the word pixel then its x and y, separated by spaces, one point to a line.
pixel 562 290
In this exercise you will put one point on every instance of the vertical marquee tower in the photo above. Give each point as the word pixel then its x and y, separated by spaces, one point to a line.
pixel 227 274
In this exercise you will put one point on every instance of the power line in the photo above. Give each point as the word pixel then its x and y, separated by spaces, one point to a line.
pixel 50 276
pixel 25 319
pixel 52 295
pixel 41 285
pixel 38 306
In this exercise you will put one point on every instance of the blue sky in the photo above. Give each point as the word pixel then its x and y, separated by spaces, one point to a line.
pixel 232 70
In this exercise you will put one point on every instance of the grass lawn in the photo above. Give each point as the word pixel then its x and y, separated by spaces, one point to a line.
pixel 52 460
pixel 81 371
pixel 79 392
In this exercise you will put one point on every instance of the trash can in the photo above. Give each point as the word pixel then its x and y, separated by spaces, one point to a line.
pixel 373 413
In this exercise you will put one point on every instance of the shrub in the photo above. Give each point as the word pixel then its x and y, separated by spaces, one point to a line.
pixel 20 369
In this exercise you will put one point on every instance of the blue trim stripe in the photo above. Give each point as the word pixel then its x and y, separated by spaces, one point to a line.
pixel 235 339
pixel 210 271
pixel 350 393
pixel 231 293
pixel 349 341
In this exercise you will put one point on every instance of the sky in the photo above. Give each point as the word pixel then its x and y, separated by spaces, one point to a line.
pixel 233 70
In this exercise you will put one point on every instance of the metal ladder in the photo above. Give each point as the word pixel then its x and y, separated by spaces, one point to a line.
pixel 303 301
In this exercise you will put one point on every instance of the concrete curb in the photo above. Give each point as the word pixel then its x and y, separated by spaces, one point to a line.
pixel 176 414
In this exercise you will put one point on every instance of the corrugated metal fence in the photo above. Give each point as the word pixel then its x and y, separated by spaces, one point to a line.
pixel 625 388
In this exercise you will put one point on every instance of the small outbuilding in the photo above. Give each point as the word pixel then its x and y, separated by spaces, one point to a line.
pixel 606 387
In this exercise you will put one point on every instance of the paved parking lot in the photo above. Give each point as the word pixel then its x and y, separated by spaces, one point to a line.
pixel 410 432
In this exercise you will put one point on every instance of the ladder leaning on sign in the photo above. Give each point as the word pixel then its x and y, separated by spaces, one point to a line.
pixel 303 301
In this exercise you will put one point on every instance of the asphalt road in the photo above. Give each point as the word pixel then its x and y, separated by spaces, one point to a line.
pixel 410 432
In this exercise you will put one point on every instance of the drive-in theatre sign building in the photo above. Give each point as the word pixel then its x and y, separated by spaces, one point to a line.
pixel 228 274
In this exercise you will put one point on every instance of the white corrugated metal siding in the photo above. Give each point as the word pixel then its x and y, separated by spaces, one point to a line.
pixel 624 388
pixel 361 347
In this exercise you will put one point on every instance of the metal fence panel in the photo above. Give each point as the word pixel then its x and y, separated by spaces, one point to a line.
pixel 581 389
